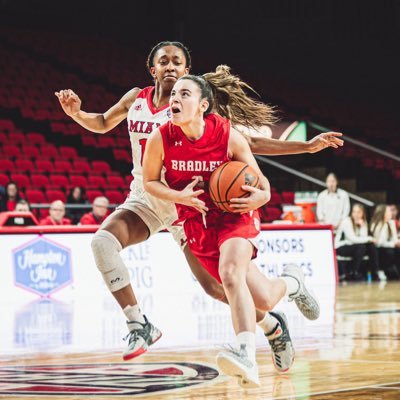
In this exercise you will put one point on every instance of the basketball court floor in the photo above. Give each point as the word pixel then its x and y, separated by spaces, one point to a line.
pixel 48 352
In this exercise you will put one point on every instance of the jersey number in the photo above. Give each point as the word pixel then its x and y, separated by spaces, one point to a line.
pixel 142 143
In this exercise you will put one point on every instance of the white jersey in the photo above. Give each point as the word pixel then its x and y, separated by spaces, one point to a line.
pixel 143 118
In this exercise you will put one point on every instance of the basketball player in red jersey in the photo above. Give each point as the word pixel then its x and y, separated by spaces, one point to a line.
pixel 141 215
pixel 191 146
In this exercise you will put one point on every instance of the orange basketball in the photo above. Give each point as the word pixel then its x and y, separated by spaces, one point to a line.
pixel 227 180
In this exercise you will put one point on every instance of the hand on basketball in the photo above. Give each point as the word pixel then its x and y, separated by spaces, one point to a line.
pixel 324 140
pixel 70 102
pixel 256 199
pixel 189 196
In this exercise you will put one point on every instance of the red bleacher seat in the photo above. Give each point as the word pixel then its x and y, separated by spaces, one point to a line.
pixel 272 214
pixel 24 165
pixel 40 181
pixel 11 150
pixel 114 196
pixel 16 138
pixel 6 125
pixel 49 150
pixel 92 194
pixel 100 167
pixel 122 154
pixel 7 166
pixel 35 138
pixel 96 182
pixel 59 181
pixel 53 195
pixel 116 182
pixel 30 151
pixel 21 180
pixel 3 138
pixel 78 180
pixel 4 179
pixel 62 166
pixel 81 167
pixel 105 141
pixel 276 199
pixel 68 152
pixel 43 166
pixel 89 140
pixel 128 180
pixel 35 196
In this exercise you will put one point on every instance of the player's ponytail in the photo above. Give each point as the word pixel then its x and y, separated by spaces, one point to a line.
pixel 231 100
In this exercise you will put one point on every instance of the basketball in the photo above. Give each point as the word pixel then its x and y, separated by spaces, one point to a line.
pixel 227 180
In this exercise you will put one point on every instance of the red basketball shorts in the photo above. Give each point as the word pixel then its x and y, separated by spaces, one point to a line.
pixel 205 242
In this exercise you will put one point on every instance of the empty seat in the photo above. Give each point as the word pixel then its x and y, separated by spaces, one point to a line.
pixel 43 166
pixel 30 151
pixel 68 152
pixel 62 166
pixel 11 150
pixel 272 214
pixel 21 180
pixel 276 199
pixel 35 196
pixel 53 195
pixel 122 154
pixel 287 197
pixel 114 196
pixel 89 141
pixel 3 138
pixel 92 194
pixel 16 138
pixel 24 165
pixel 105 141
pixel 4 179
pixel 96 182
pixel 81 166
pixel 40 181
pixel 7 166
pixel 78 180
pixel 59 181
pixel 49 150
pixel 115 182
pixel 100 167
pixel 35 138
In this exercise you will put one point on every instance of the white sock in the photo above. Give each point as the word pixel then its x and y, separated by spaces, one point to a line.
pixel 268 323
pixel 249 339
pixel 133 313
pixel 292 285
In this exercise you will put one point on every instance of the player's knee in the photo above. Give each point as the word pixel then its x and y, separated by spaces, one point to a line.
pixel 104 247
pixel 230 274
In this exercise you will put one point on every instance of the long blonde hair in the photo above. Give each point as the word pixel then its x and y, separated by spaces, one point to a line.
pixel 378 220
pixel 226 94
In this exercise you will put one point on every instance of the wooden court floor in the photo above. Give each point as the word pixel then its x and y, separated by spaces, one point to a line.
pixel 361 361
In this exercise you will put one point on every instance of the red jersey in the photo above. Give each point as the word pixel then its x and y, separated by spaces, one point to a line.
pixel 90 219
pixel 184 158
pixel 50 221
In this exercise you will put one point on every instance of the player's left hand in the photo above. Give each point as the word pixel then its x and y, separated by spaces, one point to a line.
pixel 256 199
pixel 324 140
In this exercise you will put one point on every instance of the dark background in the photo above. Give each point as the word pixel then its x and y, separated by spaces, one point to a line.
pixel 348 49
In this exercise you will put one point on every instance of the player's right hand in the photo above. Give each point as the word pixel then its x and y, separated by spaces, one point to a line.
pixel 189 197
pixel 70 101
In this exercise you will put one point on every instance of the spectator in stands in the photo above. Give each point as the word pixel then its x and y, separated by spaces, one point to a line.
pixel 333 204
pixel 22 206
pixel 76 196
pixel 384 231
pixel 10 198
pixel 98 214
pixel 353 240
pixel 56 217
pixel 395 215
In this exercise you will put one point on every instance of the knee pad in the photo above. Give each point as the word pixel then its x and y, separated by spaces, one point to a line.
pixel 106 248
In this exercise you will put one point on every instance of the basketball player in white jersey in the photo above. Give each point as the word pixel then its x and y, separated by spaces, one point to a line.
pixel 142 215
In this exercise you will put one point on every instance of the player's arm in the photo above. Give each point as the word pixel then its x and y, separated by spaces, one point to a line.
pixel 240 151
pixel 273 147
pixel 152 167
pixel 96 122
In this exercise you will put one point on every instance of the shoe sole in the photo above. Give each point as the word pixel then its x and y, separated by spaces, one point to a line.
pixel 140 351
pixel 228 367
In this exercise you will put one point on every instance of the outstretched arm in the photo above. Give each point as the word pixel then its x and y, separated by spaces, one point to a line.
pixel 152 167
pixel 274 147
pixel 96 122
pixel 240 151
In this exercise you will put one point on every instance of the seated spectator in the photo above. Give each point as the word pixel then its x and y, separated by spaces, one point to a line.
pixel 10 198
pixel 352 240
pixel 333 204
pixel 56 217
pixel 76 196
pixel 98 214
pixel 395 215
pixel 384 231
pixel 22 206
